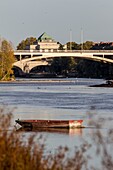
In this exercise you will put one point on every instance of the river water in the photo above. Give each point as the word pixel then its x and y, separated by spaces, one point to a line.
pixel 58 99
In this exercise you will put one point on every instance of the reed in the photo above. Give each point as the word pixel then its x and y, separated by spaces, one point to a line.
pixel 16 154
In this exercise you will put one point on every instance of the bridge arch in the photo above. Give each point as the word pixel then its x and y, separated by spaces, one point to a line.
pixel 17 71
pixel 36 58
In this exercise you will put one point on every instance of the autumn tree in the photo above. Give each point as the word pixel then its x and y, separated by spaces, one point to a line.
pixel 28 41
pixel 6 60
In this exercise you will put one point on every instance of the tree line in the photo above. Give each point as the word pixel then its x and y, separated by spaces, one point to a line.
pixel 70 45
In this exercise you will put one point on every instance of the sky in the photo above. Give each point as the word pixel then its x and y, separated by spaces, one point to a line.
pixel 63 20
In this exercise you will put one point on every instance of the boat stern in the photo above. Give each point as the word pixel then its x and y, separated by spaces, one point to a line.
pixel 75 123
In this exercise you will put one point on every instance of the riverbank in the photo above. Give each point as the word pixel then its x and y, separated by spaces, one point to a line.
pixel 38 80
pixel 53 80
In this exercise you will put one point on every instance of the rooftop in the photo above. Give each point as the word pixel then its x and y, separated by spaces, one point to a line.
pixel 45 37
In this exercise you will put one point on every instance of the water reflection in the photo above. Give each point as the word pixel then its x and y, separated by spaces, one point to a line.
pixel 76 131
pixel 71 132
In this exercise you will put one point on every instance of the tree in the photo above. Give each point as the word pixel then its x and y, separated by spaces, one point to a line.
pixel 72 46
pixel 6 60
pixel 28 41
pixel 88 45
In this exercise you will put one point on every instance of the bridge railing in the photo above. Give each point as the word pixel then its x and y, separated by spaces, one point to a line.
pixel 63 51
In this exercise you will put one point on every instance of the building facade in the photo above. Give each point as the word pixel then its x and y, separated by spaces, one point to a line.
pixel 45 43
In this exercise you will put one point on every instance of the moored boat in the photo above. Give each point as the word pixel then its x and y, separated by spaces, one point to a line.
pixel 109 83
pixel 36 123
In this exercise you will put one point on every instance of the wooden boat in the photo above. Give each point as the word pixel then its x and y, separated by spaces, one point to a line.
pixel 50 123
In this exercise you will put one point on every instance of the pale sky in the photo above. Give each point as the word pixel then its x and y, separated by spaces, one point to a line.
pixel 25 18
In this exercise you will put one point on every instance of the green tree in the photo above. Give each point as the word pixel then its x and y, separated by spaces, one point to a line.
pixel 86 45
pixel 72 46
pixel 6 60
pixel 28 41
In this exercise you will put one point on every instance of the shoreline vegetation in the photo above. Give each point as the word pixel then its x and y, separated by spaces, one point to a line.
pixel 19 154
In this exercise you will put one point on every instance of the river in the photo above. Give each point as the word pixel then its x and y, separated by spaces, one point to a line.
pixel 58 99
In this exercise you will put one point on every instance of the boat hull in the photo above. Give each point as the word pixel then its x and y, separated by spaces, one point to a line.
pixel 50 123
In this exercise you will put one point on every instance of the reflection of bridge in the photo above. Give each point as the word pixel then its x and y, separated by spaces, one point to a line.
pixel 30 59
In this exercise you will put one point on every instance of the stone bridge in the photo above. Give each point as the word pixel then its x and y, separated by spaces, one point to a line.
pixel 28 59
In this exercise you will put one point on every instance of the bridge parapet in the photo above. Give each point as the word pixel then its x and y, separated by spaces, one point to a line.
pixel 62 51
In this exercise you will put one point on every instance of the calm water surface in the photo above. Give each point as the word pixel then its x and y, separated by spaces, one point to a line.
pixel 58 99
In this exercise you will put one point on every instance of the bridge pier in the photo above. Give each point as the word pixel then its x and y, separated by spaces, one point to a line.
pixel 26 68
pixel 20 57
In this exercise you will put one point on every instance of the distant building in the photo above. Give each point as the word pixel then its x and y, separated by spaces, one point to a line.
pixel 103 46
pixel 45 43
